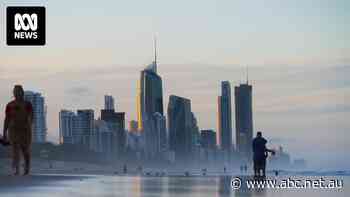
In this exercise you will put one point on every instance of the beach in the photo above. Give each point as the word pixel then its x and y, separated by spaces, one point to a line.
pixel 62 185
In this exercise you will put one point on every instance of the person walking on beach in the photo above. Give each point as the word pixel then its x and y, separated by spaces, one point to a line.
pixel 260 153
pixel 18 129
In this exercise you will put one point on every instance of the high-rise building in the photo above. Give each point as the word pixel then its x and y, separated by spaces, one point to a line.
pixel 116 123
pixel 195 138
pixel 244 119
pixel 150 95
pixel 149 102
pixel 224 134
pixel 66 127
pixel 155 137
pixel 39 127
pixel 208 139
pixel 160 133
pixel 109 102
pixel 208 150
pixel 180 122
pixel 110 116
pixel 133 125
pixel 103 139
pixel 77 128
pixel 133 142
pixel 195 131
pixel 83 127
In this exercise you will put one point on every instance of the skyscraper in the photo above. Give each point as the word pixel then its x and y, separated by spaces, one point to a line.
pixel 159 135
pixel 180 127
pixel 103 139
pixel 113 117
pixel 109 102
pixel 208 145
pixel 208 139
pixel 77 128
pixel 39 127
pixel 195 131
pixel 244 119
pixel 149 103
pixel 150 94
pixel 224 134
pixel 116 123
pixel 83 127
pixel 66 127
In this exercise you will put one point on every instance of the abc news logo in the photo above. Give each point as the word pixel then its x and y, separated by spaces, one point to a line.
pixel 25 25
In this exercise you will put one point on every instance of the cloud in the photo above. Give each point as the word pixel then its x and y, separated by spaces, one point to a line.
pixel 78 91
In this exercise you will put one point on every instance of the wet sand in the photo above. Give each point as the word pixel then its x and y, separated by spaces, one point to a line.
pixel 9 182
pixel 139 186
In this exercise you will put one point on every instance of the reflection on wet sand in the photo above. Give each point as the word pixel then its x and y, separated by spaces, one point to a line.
pixel 143 186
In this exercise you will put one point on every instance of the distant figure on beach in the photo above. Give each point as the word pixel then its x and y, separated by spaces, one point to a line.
pixel 260 153
pixel 139 169
pixel 125 169
pixel 18 129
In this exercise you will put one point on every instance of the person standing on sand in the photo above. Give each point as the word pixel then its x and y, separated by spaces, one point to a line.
pixel 18 129
pixel 260 153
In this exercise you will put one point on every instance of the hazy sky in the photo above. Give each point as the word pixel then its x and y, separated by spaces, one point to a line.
pixel 298 54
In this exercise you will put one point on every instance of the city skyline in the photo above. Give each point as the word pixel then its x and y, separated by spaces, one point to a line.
pixel 208 119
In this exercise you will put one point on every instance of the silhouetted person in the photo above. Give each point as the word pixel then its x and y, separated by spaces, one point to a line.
pixel 125 169
pixel 260 153
pixel 18 129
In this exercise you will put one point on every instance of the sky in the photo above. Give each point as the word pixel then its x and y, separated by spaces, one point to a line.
pixel 297 52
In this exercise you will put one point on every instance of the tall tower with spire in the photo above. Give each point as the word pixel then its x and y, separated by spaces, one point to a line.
pixel 244 117
pixel 153 66
pixel 150 105
pixel 224 134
